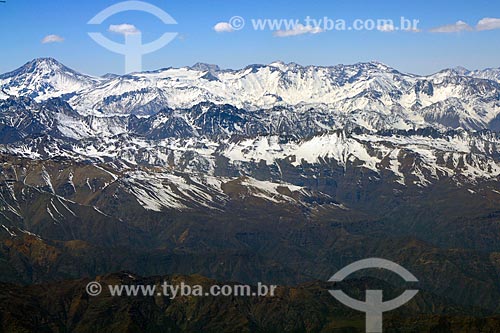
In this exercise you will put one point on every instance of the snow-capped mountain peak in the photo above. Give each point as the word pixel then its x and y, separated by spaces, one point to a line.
pixel 45 78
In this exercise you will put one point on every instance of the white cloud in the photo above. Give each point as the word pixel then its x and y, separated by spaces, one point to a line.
pixel 52 39
pixel 386 28
pixel 488 23
pixel 451 28
pixel 390 28
pixel 124 29
pixel 299 29
pixel 223 27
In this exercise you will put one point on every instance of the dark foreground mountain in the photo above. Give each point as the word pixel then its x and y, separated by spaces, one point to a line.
pixel 66 307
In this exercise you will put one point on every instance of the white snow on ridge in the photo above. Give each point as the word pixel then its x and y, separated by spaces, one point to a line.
pixel 159 191
pixel 335 146
pixel 269 190
pixel 11 233
pixel 3 95
pixel 370 151
pixel 47 180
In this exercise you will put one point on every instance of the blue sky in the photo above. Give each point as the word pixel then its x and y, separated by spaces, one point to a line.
pixel 25 23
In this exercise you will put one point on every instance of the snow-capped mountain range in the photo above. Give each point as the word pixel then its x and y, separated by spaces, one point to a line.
pixel 271 124
pixel 365 92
